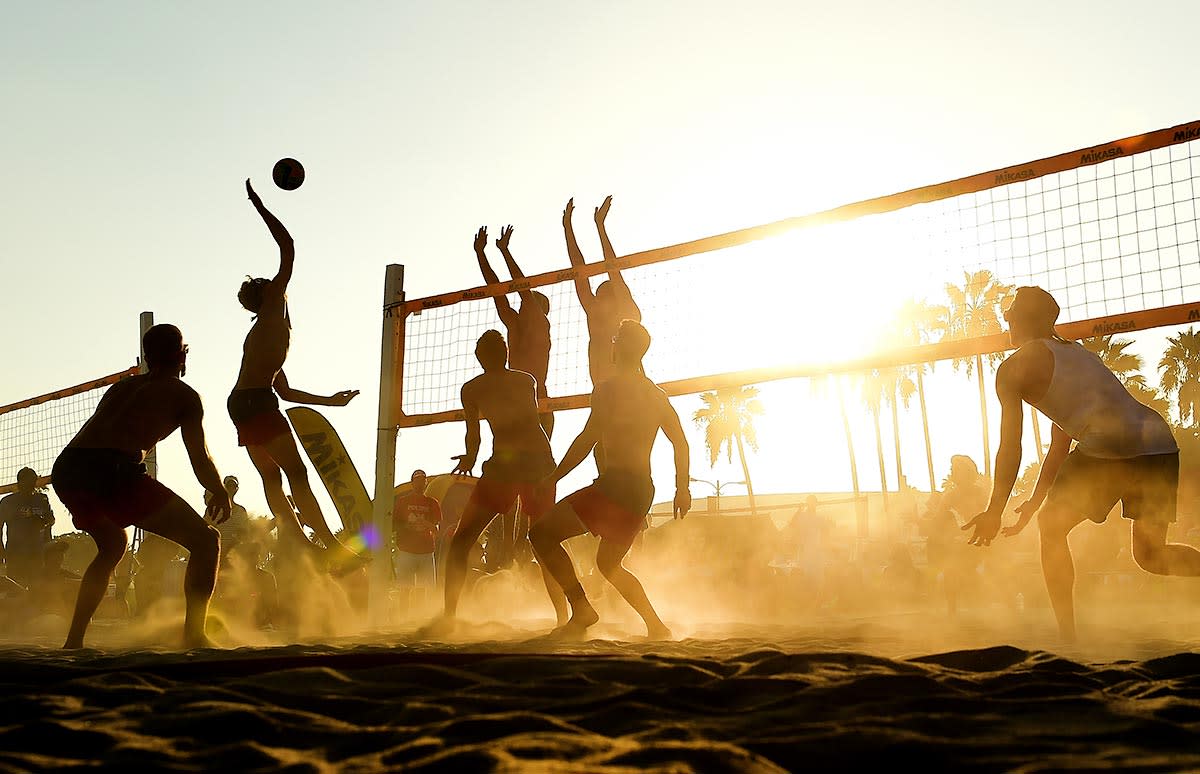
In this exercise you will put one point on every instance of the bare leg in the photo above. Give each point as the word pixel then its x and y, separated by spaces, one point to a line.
pixel 1057 566
pixel 474 519
pixel 290 532
pixel 1154 554
pixel 285 454
pixel 178 522
pixel 608 561
pixel 563 585
pixel 111 544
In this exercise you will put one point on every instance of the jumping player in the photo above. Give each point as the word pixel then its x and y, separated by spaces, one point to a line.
pixel 521 457
pixel 101 479
pixel 1125 453
pixel 627 412
pixel 254 403
pixel 529 328
pixel 609 304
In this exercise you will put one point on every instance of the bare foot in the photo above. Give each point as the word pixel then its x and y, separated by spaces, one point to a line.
pixel 658 633
pixel 440 627
pixel 576 628
pixel 193 641
pixel 73 644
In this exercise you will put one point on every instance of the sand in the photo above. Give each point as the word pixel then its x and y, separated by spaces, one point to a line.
pixel 837 694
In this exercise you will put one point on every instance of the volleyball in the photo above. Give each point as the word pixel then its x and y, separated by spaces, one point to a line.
pixel 288 174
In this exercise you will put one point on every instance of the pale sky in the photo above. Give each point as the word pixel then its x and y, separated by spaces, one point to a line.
pixel 130 127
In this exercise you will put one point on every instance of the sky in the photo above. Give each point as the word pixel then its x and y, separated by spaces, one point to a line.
pixel 130 127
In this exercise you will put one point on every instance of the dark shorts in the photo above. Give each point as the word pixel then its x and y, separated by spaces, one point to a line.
pixel 1146 487
pixel 505 479
pixel 492 497
pixel 256 415
pixel 106 485
pixel 614 507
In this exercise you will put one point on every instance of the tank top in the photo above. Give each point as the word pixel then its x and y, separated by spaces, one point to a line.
pixel 1089 402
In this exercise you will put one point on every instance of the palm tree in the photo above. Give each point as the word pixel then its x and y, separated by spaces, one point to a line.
pixel 1180 368
pixel 898 389
pixel 1127 367
pixel 873 388
pixel 727 419
pixel 974 310
pixel 920 322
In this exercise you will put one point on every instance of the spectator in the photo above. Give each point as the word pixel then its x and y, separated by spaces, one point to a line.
pixel 27 517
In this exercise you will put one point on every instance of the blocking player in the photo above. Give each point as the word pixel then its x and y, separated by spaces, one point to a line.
pixel 627 412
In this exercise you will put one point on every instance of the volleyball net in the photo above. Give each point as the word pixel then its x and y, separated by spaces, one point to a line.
pixel 34 431
pixel 1109 230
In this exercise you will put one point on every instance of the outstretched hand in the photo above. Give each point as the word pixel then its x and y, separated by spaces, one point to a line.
pixel 683 502
pixel 505 235
pixel 569 211
pixel 219 507
pixel 342 398
pixel 464 466
pixel 1026 511
pixel 987 525
pixel 481 239
pixel 252 194
pixel 602 210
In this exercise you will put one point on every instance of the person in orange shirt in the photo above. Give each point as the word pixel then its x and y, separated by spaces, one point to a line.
pixel 415 520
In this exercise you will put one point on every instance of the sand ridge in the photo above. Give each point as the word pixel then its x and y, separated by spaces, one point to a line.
pixel 766 700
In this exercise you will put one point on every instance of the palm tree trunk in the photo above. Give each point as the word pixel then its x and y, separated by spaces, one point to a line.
pixel 987 446
pixel 896 439
pixel 853 460
pixel 1037 433
pixel 746 473
pixel 925 425
pixel 879 450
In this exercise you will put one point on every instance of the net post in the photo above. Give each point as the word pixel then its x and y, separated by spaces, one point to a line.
pixel 391 354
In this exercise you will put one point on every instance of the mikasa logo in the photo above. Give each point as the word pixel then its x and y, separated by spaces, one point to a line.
pixel 1191 133
pixel 1092 157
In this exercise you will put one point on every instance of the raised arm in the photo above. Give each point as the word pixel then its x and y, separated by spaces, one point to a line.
pixel 610 255
pixel 583 288
pixel 192 430
pixel 292 395
pixel 673 430
pixel 287 248
pixel 1008 456
pixel 466 462
pixel 503 308
pixel 513 269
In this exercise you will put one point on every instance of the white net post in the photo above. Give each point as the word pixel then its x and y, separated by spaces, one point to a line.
pixel 391 354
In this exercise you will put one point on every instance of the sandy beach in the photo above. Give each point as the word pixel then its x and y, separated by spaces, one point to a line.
pixel 848 694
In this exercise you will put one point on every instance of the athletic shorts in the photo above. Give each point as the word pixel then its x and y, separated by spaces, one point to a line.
pixel 413 569
pixel 106 485
pixel 1145 486
pixel 614 507
pixel 493 497
pixel 256 415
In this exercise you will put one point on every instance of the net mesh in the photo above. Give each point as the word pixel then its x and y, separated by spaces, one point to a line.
pixel 33 432
pixel 1107 231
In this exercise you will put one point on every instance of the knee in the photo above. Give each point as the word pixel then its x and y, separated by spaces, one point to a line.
pixel 207 543
pixel 609 567
pixel 1053 523
pixel 296 473
pixel 1149 556
pixel 540 537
